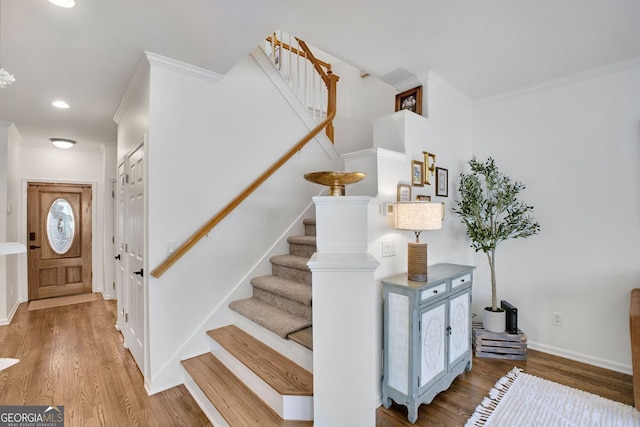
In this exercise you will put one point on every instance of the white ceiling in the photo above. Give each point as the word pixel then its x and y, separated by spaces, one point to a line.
pixel 87 55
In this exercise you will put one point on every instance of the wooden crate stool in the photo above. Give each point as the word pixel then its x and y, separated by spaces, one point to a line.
pixel 499 345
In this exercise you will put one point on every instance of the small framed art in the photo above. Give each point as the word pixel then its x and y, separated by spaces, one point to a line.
pixel 422 198
pixel 442 182
pixel 417 173
pixel 404 193
pixel 410 100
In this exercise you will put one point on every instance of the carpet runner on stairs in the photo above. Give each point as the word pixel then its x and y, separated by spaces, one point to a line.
pixel 281 302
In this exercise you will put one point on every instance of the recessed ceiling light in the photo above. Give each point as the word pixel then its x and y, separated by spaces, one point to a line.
pixel 63 3
pixel 62 142
pixel 60 104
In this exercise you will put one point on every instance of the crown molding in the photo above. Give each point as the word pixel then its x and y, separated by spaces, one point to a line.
pixel 563 81
pixel 151 59
pixel 160 61
pixel 141 71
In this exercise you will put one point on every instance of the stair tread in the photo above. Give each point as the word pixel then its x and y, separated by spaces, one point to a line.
pixel 303 337
pixel 291 261
pixel 235 402
pixel 276 320
pixel 302 240
pixel 282 374
pixel 309 221
pixel 290 289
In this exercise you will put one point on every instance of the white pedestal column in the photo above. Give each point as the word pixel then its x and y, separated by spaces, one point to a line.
pixel 347 316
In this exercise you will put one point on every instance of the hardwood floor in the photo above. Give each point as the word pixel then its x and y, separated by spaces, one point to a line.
pixel 455 405
pixel 73 356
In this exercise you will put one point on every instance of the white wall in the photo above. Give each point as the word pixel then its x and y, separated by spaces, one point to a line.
pixel 359 99
pixel 445 131
pixel 4 154
pixel 575 143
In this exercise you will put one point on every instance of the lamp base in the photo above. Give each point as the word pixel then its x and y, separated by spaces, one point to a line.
pixel 417 265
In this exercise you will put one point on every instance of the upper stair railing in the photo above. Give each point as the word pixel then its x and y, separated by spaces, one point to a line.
pixel 319 105
pixel 309 78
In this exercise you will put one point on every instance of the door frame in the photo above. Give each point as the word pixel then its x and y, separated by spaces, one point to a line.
pixel 23 266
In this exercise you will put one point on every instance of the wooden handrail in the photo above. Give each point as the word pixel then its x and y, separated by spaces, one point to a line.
pixel 331 81
pixel 206 228
pixel 277 42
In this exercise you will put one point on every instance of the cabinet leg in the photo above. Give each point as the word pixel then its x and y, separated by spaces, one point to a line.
pixel 386 401
pixel 412 413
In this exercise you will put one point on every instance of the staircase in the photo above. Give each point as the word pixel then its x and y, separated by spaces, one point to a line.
pixel 244 382
pixel 281 301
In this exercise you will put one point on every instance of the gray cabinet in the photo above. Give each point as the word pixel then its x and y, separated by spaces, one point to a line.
pixel 427 334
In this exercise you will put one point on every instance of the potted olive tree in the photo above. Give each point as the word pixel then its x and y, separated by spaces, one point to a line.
pixel 490 209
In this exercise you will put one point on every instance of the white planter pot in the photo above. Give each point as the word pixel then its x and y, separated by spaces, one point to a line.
pixel 494 321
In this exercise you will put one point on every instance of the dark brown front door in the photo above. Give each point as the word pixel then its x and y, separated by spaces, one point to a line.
pixel 58 239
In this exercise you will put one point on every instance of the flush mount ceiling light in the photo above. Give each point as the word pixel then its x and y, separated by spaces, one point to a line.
pixel 60 104
pixel 62 142
pixel 63 3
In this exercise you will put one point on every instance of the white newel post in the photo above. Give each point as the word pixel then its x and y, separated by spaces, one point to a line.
pixel 346 316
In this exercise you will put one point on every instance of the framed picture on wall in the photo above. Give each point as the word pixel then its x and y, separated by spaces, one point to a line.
pixel 410 100
pixel 417 173
pixel 442 182
pixel 404 193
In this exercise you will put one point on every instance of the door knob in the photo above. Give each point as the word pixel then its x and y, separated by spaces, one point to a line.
pixel 139 272
pixel 117 257
pixel 34 247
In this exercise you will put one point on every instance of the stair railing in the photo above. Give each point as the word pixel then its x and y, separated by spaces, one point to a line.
pixel 308 77
pixel 330 80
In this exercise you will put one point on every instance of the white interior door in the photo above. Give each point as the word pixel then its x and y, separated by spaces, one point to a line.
pixel 120 264
pixel 132 322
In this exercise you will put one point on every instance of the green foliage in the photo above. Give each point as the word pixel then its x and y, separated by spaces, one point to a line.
pixel 490 209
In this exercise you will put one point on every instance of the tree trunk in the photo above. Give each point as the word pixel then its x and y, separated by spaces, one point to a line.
pixel 491 255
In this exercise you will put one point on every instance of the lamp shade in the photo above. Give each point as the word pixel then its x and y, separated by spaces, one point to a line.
pixel 418 216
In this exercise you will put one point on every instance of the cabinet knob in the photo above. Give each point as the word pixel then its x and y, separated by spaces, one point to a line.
pixel 435 291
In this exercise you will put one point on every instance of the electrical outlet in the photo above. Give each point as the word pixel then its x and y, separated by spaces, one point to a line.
pixel 388 248
pixel 557 319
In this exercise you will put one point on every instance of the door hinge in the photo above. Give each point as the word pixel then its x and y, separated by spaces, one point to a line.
pixel 126 178
pixel 126 317
pixel 113 194
pixel 114 285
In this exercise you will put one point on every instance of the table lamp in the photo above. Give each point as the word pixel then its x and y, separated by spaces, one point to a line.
pixel 417 217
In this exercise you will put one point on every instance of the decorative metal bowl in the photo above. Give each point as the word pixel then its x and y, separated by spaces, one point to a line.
pixel 335 179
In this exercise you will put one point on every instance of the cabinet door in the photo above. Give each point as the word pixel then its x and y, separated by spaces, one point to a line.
pixel 459 321
pixel 432 343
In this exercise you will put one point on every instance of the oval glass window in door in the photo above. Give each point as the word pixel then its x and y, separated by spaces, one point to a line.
pixel 60 226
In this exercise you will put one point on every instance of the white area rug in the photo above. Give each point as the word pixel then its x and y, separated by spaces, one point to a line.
pixel 5 363
pixel 522 400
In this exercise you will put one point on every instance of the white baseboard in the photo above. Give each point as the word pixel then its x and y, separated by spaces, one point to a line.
pixel 579 357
